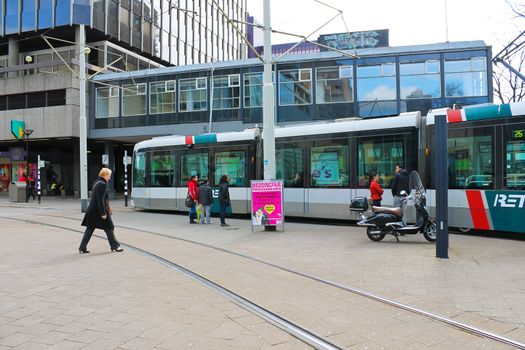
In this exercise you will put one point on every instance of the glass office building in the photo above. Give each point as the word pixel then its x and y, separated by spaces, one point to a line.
pixel 39 66
pixel 171 32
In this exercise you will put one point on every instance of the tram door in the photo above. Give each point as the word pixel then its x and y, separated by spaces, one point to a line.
pixel 290 168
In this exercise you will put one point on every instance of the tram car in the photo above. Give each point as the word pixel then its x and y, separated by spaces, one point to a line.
pixel 325 165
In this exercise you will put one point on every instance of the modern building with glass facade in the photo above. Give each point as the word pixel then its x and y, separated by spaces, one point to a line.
pixel 39 60
pixel 311 87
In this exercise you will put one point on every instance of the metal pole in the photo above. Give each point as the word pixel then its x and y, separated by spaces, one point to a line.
pixel 441 171
pixel 125 178
pixel 27 168
pixel 38 179
pixel 268 99
pixel 268 103
pixel 82 121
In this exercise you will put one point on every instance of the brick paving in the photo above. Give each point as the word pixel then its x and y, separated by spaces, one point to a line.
pixel 54 298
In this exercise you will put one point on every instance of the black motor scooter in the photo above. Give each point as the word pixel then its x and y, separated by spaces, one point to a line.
pixel 386 220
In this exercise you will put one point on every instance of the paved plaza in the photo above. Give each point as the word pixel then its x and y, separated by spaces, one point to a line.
pixel 54 298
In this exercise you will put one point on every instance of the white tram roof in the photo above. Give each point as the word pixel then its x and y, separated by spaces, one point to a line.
pixel 179 140
pixel 404 120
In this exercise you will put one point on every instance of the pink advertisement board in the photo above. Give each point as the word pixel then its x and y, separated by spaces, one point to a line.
pixel 267 203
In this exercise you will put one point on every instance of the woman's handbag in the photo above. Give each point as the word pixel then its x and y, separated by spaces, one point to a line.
pixel 189 202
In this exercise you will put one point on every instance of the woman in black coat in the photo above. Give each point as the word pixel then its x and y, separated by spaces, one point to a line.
pixel 98 214
pixel 224 198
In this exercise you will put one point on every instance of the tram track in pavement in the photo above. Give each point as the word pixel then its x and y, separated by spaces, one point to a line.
pixel 291 328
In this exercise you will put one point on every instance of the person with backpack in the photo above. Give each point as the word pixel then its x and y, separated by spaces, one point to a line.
pixel 205 200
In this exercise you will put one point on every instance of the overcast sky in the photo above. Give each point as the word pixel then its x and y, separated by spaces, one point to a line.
pixel 410 22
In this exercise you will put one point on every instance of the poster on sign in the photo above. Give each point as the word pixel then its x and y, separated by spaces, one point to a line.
pixel 267 203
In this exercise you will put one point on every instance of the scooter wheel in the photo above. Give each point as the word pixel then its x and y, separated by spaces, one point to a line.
pixel 430 232
pixel 374 233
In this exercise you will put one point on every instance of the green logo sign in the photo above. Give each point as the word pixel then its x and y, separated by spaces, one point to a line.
pixel 17 128
pixel 518 134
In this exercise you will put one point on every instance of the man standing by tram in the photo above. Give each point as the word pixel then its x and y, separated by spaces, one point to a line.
pixel 399 184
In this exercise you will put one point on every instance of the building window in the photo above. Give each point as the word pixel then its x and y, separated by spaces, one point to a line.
pixel 295 87
pixel 45 14
pixel 226 92
pixel 253 83
pixel 467 77
pixel 107 99
pixel 376 82
pixel 334 84
pixel 17 101
pixel 63 12
pixel 133 99
pixel 192 95
pixel 55 98
pixel 162 97
pixel 28 15
pixel 420 80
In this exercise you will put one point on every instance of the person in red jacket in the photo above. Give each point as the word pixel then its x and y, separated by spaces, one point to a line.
pixel 375 189
pixel 193 191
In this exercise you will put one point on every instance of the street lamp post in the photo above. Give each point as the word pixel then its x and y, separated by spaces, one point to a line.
pixel 27 133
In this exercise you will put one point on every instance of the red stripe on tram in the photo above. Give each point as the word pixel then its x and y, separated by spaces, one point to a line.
pixel 454 116
pixel 189 140
pixel 477 210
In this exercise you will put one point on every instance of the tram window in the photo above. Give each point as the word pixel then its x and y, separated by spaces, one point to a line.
pixel 290 167
pixel 139 170
pixel 329 166
pixel 193 163
pixel 162 169
pixel 515 165
pixel 233 164
pixel 470 159
pixel 379 156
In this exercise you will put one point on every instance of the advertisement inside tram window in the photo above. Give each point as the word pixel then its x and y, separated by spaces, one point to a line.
pixel 325 168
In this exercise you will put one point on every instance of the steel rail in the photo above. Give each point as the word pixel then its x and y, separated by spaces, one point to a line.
pixel 461 326
pixel 295 330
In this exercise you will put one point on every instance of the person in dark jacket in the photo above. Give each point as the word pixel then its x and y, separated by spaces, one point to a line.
pixel 224 198
pixel 193 192
pixel 375 189
pixel 400 183
pixel 98 214
pixel 205 200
